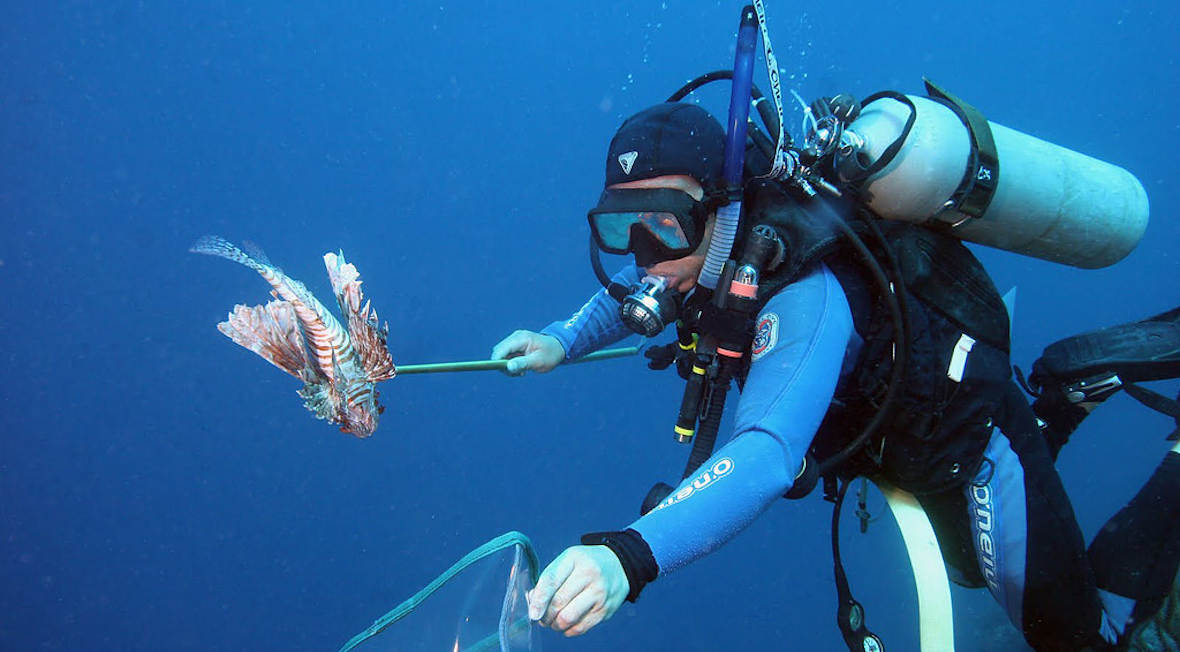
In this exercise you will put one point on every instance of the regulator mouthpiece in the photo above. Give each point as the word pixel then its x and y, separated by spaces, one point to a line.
pixel 649 308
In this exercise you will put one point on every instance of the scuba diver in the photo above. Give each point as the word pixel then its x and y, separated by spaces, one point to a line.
pixel 864 343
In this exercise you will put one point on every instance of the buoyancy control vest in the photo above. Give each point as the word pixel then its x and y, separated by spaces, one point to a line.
pixel 958 364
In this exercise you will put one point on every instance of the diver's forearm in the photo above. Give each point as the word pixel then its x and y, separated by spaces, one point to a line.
pixel 596 324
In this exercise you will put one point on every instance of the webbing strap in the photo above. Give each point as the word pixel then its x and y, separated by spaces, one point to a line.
pixel 776 92
pixel 978 186
pixel 1157 402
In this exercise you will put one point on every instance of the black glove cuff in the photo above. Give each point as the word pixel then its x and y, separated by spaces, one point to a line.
pixel 634 555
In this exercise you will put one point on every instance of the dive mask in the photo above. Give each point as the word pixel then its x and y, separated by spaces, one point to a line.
pixel 654 224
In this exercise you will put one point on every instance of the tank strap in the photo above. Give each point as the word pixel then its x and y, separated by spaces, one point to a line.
pixel 978 186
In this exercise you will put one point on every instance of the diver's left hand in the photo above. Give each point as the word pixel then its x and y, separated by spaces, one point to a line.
pixel 582 587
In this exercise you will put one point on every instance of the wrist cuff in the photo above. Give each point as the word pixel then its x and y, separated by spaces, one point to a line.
pixel 634 555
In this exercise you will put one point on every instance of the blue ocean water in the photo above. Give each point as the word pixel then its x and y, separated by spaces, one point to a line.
pixel 161 488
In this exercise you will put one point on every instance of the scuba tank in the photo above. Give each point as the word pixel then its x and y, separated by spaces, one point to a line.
pixel 907 155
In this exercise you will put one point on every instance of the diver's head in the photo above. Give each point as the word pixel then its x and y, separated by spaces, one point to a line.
pixel 663 175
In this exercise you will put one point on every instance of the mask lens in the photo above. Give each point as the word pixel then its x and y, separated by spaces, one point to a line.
pixel 613 230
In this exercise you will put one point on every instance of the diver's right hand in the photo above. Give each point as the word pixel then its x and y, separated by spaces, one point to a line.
pixel 529 351
pixel 584 586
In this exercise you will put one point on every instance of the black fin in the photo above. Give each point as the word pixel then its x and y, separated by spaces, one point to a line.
pixel 1137 352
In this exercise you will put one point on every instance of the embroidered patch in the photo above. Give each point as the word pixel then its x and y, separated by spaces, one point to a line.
pixel 765 335
pixel 627 160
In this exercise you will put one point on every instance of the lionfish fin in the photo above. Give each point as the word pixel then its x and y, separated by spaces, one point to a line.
pixel 215 245
pixel 317 398
pixel 342 274
pixel 256 252
pixel 368 338
pixel 273 332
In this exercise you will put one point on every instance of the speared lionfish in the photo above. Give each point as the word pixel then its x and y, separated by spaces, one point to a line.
pixel 339 380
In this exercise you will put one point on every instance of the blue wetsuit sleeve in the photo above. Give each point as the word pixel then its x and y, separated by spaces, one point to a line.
pixel 597 323
pixel 803 336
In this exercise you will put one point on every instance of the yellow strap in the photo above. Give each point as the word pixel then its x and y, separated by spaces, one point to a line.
pixel 686 432
pixel 936 627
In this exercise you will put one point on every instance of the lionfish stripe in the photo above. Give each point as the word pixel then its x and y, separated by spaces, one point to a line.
pixel 323 331
pixel 368 341
pixel 299 335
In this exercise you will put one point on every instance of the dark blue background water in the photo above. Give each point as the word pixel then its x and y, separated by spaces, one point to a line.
pixel 161 488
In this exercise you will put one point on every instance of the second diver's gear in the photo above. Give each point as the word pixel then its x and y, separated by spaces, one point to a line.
pixel 655 224
pixel 1160 630
pixel 649 309
pixel 639 565
pixel 907 155
pixel 1137 553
